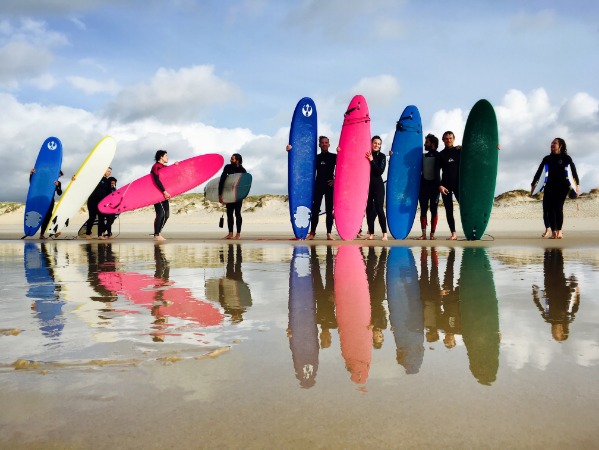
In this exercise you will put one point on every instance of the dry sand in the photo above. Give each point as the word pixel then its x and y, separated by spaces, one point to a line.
pixel 516 219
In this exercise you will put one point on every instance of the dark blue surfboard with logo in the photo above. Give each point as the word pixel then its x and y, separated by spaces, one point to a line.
pixel 301 163
pixel 42 187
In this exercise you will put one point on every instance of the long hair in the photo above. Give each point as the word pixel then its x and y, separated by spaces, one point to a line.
pixel 562 145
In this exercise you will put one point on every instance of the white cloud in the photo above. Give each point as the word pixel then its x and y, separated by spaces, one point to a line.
pixel 174 95
pixel 381 90
pixel 90 86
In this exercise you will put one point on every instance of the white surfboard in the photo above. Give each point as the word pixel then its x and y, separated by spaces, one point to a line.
pixel 542 181
pixel 572 193
pixel 86 179
pixel 237 187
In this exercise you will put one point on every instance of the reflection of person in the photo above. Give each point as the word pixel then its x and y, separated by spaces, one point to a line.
pixel 161 277
pixel 324 292
pixel 162 208
pixel 234 293
pixel 100 259
pixel 560 300
pixel 110 218
pixel 430 293
pixel 101 191
pixel 448 163
pixel 234 207
pixel 428 196
pixel 557 186
pixel 376 190
pixel 375 272
pixel 57 191
pixel 450 295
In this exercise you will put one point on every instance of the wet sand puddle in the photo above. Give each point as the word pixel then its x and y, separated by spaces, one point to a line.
pixel 399 333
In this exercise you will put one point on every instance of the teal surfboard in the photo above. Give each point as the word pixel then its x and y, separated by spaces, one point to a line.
pixel 478 169
pixel 405 167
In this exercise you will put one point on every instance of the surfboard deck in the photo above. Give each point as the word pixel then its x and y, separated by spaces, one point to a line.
pixel 42 187
pixel 301 165
pixel 86 179
pixel 571 183
pixel 176 178
pixel 352 174
pixel 542 181
pixel 478 169
pixel 403 178
pixel 237 187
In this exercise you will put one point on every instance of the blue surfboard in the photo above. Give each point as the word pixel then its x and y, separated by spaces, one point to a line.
pixel 403 178
pixel 406 312
pixel 301 164
pixel 303 329
pixel 41 188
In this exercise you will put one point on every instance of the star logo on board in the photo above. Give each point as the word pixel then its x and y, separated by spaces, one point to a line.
pixel 307 110
pixel 52 145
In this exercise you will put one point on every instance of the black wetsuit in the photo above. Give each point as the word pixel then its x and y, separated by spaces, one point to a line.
pixel 448 162
pixel 102 190
pixel 556 189
pixel 376 193
pixel 162 208
pixel 234 207
pixel 428 196
pixel 325 172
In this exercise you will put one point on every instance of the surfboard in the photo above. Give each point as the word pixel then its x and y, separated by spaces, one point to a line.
pixel 542 181
pixel 406 311
pixel 86 179
pixel 478 169
pixel 303 329
pixel 352 175
pixel 42 187
pixel 237 187
pixel 352 302
pixel 403 178
pixel 479 313
pixel 176 178
pixel 301 165
pixel 571 183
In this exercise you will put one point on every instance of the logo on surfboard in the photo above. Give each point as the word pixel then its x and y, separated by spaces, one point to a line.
pixel 307 110
pixel 52 145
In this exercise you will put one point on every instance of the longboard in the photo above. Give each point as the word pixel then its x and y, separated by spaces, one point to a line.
pixel 86 179
pixel 352 302
pixel 176 179
pixel 403 178
pixel 42 187
pixel 540 186
pixel 478 169
pixel 303 329
pixel 406 312
pixel 237 187
pixel 352 176
pixel 301 165
pixel 479 313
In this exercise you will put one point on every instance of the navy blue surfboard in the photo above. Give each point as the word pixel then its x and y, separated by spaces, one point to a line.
pixel 301 164
pixel 42 187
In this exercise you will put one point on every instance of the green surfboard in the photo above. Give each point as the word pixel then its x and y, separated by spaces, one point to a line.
pixel 478 169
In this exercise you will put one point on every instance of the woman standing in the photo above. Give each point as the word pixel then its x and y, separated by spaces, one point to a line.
pixel 162 208
pixel 376 190
pixel 557 186
pixel 235 207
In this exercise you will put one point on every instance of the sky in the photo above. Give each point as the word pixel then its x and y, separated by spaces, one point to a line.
pixel 213 76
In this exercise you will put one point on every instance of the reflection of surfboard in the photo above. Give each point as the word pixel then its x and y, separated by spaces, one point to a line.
pixel 480 314
pixel 352 176
pixel 542 181
pixel 303 331
pixel 405 167
pixel 176 179
pixel 478 169
pixel 301 165
pixel 86 179
pixel 237 187
pixel 406 312
pixel 352 301
pixel 42 187
pixel 571 182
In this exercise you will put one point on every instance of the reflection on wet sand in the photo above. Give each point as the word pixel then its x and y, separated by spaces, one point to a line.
pixel 375 272
pixel 559 301
pixel 324 293
pixel 480 314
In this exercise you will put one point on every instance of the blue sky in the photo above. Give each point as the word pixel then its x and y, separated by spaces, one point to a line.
pixel 197 77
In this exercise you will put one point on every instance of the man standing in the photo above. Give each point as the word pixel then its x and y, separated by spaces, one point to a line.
pixel 428 196
pixel 448 162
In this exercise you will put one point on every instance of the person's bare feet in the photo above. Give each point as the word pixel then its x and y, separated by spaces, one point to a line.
pixel 546 233
pixel 330 237
pixel 311 236
pixel 237 236
pixel 158 237
pixel 432 237
pixel 370 237
pixel 453 237
pixel 229 236
pixel 384 238
pixel 422 237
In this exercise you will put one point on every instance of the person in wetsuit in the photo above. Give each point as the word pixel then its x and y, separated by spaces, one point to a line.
pixel 557 186
pixel 376 190
pixel 161 208
pixel 234 207
pixel 101 191
pixel 447 176
pixel 428 197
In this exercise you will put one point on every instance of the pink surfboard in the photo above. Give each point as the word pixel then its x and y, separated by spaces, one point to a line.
pixel 176 178
pixel 352 175
pixel 145 290
pixel 352 303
